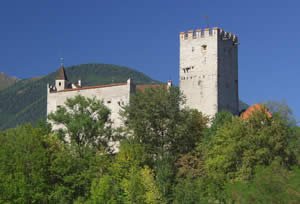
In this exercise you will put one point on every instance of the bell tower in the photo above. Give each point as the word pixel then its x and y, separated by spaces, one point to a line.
pixel 61 80
pixel 209 70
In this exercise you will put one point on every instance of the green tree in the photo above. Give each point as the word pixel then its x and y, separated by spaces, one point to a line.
pixel 217 122
pixel 152 194
pixel 294 143
pixel 86 130
pixel 189 191
pixel 191 165
pixel 156 119
pixel 25 165
pixel 165 177
pixel 74 174
pixel 124 181
pixel 272 184
pixel 241 145
pixel 282 110
pixel 86 122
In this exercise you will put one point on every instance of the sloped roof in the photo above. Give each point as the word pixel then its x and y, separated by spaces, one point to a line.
pixel 143 87
pixel 61 75
pixel 93 87
pixel 253 108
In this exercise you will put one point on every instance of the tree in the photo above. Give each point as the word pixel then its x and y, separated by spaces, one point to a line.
pixel 241 145
pixel 165 176
pixel 294 143
pixel 128 180
pixel 282 110
pixel 191 165
pixel 74 174
pixel 189 191
pixel 157 119
pixel 25 165
pixel 217 122
pixel 272 184
pixel 86 122
pixel 152 194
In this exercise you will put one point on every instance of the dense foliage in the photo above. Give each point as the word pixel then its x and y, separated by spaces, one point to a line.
pixel 167 154
pixel 26 100
pixel 85 122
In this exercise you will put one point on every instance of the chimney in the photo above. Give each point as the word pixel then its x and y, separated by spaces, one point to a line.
pixel 79 82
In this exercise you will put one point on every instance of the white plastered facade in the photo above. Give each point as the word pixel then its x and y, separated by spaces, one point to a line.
pixel 114 97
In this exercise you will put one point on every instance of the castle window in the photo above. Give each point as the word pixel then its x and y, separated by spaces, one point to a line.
pixel 59 84
pixel 57 107
pixel 108 101
pixel 204 47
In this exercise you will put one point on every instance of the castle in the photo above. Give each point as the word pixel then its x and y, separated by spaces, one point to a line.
pixel 208 77
pixel 114 96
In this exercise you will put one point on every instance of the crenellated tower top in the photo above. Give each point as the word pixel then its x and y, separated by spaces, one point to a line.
pixel 208 70
pixel 208 32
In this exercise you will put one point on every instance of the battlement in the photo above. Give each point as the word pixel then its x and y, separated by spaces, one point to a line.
pixel 208 32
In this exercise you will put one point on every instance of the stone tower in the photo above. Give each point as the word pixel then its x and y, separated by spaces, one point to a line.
pixel 209 70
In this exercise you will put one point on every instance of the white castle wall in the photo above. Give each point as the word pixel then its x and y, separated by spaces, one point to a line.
pixel 114 98
pixel 208 70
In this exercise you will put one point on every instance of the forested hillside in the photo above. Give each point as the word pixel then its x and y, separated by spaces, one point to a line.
pixel 6 81
pixel 25 101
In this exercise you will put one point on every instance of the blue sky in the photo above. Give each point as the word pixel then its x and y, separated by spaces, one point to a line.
pixel 144 35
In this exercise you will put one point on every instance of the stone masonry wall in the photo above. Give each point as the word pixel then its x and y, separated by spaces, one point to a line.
pixel 198 70
pixel 228 73
pixel 209 71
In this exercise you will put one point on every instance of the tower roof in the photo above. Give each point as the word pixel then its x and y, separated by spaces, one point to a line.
pixel 61 74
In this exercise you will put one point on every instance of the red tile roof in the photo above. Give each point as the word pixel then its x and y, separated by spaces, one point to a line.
pixel 143 87
pixel 93 87
pixel 253 108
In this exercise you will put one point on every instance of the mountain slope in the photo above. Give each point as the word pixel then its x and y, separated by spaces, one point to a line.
pixel 26 100
pixel 6 81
